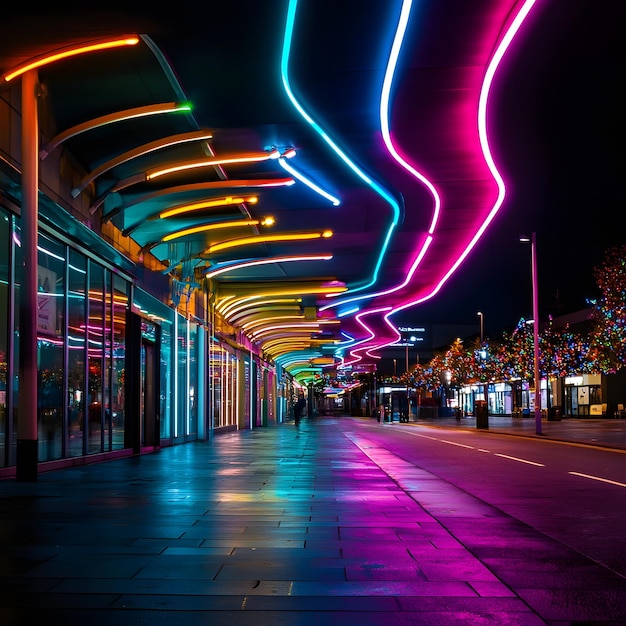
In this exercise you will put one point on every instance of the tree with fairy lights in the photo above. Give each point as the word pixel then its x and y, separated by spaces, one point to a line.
pixel 608 336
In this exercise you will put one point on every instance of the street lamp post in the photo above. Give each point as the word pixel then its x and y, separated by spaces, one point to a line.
pixel 406 356
pixel 406 345
pixel 533 256
pixel 482 338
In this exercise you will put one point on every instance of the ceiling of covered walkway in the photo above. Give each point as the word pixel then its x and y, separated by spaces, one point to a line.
pixel 325 165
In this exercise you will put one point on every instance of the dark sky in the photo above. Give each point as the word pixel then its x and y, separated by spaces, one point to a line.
pixel 559 135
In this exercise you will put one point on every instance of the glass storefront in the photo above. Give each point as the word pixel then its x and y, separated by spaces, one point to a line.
pixel 81 309
pixel 188 383
pixel 6 230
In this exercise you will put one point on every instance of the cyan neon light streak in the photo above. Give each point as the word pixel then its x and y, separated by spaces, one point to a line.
pixel 359 318
pixel 384 123
pixel 308 182
pixel 291 15
pixel 484 142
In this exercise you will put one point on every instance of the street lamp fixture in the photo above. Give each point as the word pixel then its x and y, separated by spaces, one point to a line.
pixel 533 256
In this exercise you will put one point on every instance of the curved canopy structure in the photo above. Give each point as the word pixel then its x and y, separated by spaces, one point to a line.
pixel 321 166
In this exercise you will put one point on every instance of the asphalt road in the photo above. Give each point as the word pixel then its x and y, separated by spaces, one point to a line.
pixel 572 493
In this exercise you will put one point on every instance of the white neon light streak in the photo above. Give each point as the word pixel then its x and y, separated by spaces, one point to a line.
pixel 237 265
pixel 382 192
pixel 308 182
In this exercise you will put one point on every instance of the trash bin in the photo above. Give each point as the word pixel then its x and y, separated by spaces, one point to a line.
pixel 555 414
pixel 482 414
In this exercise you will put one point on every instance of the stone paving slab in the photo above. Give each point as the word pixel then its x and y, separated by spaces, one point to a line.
pixel 281 526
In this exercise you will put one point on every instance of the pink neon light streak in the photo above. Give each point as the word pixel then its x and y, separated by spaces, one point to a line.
pixel 488 157
pixel 484 142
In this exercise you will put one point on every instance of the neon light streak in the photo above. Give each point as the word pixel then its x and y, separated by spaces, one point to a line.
pixel 236 305
pixel 482 130
pixel 112 118
pixel 384 122
pixel 204 186
pixel 211 162
pixel 245 241
pixel 206 227
pixel 297 328
pixel 308 182
pixel 207 204
pixel 153 146
pixel 308 326
pixel 289 27
pixel 237 265
pixel 359 319
pixel 129 40
pixel 384 111
pixel 418 259
pixel 264 320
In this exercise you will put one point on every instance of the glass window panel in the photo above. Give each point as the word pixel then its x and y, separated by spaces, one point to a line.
pixel 95 353
pixel 181 356
pixel 120 306
pixel 192 383
pixel 107 348
pixel 5 294
pixel 76 344
pixel 50 346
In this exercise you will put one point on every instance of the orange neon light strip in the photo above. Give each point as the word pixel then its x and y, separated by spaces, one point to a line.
pixel 207 204
pixel 244 241
pixel 205 227
pixel 210 162
pixel 129 40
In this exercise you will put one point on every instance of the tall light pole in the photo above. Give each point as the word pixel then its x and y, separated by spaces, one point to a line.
pixel 482 337
pixel 533 257
pixel 408 403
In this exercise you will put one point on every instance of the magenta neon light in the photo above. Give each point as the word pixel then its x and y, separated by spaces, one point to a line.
pixel 484 142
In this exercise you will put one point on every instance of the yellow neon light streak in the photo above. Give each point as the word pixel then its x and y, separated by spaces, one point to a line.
pixel 207 204
pixel 215 226
pixel 128 40
pixel 233 305
pixel 293 326
pixel 245 241
pixel 299 290
pixel 261 312
pixel 249 326
pixel 252 157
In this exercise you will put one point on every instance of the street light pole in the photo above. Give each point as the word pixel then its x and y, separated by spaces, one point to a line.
pixel 535 282
pixel 482 327
pixel 533 252
pixel 407 379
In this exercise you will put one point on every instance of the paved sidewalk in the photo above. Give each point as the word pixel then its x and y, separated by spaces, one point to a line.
pixel 282 526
